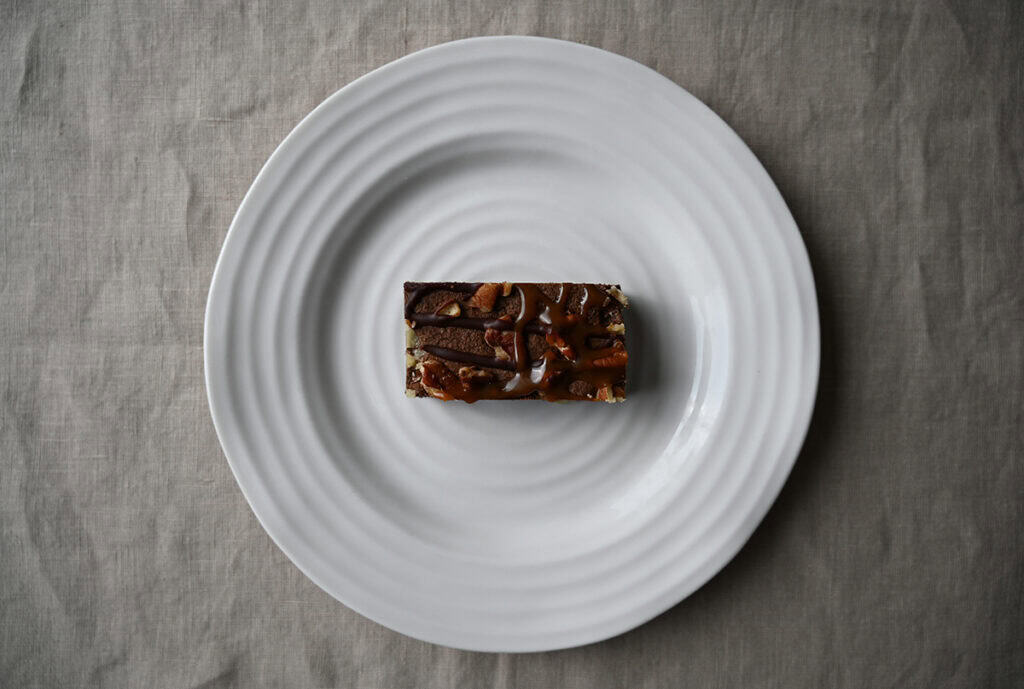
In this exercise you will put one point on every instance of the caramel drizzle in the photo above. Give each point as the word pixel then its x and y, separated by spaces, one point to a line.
pixel 570 359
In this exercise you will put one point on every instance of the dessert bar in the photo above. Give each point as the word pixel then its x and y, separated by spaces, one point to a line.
pixel 514 340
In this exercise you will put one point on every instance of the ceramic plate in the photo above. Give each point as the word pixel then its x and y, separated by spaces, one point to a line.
pixel 511 526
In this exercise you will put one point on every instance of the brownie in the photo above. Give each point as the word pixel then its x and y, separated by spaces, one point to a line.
pixel 515 340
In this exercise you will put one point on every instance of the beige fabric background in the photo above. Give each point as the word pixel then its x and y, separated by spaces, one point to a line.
pixel 128 136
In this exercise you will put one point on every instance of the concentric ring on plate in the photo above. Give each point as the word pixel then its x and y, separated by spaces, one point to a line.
pixel 511 526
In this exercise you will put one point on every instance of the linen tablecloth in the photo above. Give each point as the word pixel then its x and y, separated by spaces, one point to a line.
pixel 129 133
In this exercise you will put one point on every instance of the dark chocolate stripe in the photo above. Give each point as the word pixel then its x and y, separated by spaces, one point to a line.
pixel 472 323
pixel 421 289
pixel 468 358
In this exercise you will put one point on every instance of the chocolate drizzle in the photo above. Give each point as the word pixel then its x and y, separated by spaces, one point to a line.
pixel 469 358
pixel 575 365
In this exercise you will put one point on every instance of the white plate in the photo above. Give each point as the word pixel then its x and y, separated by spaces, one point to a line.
pixel 511 526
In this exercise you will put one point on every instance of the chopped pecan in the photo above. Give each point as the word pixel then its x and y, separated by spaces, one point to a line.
pixel 496 338
pixel 485 296
pixel 449 308
pixel 619 296
pixel 559 343
pixel 470 375
pixel 438 380
pixel 503 342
